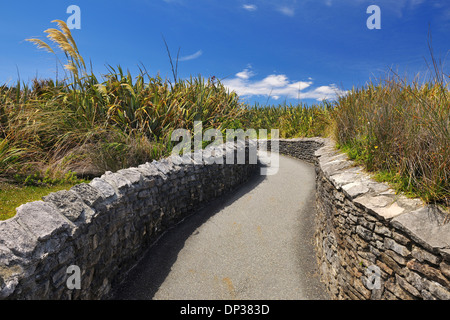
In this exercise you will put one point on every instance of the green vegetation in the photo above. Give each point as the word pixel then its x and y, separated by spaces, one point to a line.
pixel 292 121
pixel 31 188
pixel 12 196
pixel 54 133
pixel 401 132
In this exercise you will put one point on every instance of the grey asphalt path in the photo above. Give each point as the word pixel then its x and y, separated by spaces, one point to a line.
pixel 254 244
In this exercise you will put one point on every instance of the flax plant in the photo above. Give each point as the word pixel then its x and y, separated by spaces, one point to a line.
pixel 102 122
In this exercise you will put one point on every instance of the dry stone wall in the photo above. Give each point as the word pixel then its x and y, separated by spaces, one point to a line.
pixel 104 227
pixel 371 242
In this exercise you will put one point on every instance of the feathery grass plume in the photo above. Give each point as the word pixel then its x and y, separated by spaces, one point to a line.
pixel 60 39
pixel 40 44
pixel 65 29
pixel 71 67
pixel 64 40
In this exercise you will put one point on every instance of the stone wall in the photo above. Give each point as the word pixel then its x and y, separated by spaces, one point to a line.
pixel 104 227
pixel 371 242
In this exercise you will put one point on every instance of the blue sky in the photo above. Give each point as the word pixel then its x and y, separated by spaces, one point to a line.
pixel 267 51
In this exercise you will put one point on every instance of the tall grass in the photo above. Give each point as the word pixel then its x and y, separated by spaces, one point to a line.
pixel 293 121
pixel 400 130
pixel 90 125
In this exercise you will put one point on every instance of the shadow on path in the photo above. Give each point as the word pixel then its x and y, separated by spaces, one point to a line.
pixel 144 280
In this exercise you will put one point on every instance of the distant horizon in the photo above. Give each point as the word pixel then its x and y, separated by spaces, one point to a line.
pixel 269 52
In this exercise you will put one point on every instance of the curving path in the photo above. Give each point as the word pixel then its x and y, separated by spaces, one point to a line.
pixel 256 243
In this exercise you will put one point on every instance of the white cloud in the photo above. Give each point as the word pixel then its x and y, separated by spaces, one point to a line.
pixel 279 86
pixel 192 56
pixel 249 7
pixel 323 92
pixel 245 74
pixel 287 11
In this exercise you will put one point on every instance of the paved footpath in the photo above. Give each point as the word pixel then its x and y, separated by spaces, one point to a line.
pixel 256 243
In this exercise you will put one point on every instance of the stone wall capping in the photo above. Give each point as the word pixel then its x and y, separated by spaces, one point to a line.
pixel 42 219
pixel 92 196
pixel 15 241
pixel 106 191
pixel 164 166
pixel 182 161
pixel 120 184
pixel 70 205
pixel 132 175
pixel 346 175
pixel 382 206
pixel 427 226
pixel 356 189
